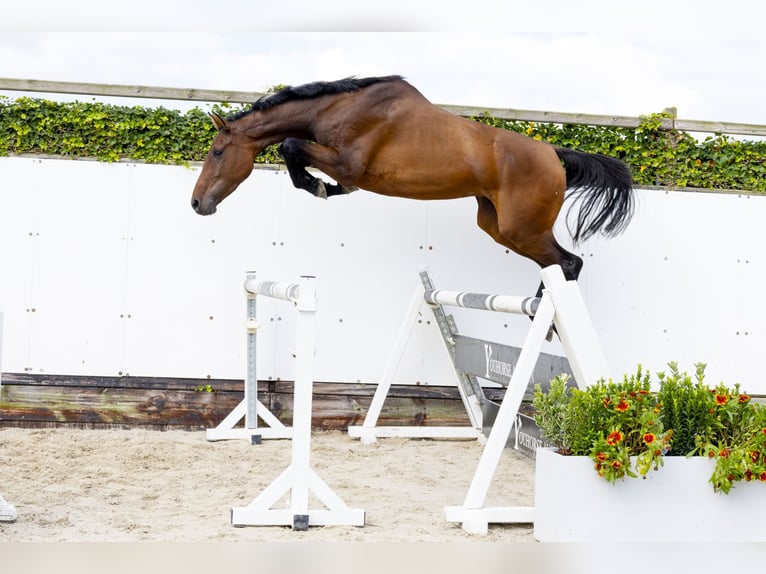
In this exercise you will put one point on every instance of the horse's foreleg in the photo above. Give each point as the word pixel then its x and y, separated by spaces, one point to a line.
pixel 300 154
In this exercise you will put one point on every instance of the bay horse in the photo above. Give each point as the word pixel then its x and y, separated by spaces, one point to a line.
pixel 382 135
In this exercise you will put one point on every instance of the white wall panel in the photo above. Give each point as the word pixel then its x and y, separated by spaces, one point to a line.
pixel 123 277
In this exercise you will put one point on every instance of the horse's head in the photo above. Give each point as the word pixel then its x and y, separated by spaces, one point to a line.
pixel 228 163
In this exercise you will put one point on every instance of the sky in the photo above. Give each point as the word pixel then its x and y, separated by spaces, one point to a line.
pixel 706 58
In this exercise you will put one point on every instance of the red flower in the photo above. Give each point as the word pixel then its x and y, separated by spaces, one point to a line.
pixel 614 438
pixel 622 406
pixel 602 456
pixel 725 452
pixel 649 438
pixel 748 475
pixel 721 399
pixel 762 476
pixel 616 464
pixel 755 456
pixel 743 398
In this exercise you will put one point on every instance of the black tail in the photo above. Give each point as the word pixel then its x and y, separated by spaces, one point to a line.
pixel 602 187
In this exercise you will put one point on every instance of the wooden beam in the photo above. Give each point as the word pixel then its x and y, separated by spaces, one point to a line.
pixel 229 96
pixel 117 90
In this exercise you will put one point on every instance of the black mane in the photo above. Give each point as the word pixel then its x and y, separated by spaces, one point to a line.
pixel 313 90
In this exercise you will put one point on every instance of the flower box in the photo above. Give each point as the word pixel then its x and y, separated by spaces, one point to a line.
pixel 674 504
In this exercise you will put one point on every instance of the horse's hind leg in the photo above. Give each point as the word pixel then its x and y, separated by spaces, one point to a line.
pixel 540 247
pixel 297 159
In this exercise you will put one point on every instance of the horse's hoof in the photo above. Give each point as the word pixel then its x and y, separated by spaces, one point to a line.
pixel 321 191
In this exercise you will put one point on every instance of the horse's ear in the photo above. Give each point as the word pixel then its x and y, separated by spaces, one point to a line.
pixel 218 121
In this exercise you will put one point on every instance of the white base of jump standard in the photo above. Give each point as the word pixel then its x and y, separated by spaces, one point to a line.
pixel 261 511
pixel 227 428
pixel 370 435
pixel 7 511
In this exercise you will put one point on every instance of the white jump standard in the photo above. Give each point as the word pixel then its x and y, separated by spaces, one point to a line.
pixel 562 305
pixel 299 479
pixel 251 408
pixel 7 510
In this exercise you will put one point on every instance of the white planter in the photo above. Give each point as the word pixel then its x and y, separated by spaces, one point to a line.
pixel 674 504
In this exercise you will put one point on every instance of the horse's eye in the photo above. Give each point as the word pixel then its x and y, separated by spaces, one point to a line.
pixel 217 152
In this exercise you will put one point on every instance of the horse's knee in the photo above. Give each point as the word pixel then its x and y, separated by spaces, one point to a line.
pixel 290 149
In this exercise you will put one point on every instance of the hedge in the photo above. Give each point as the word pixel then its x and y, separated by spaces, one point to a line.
pixel 656 157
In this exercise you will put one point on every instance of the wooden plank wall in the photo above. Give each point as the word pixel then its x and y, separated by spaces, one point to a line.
pixel 34 401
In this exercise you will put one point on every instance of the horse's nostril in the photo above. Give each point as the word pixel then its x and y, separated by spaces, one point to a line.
pixel 195 204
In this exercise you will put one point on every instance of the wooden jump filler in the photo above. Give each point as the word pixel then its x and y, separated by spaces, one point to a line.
pixel 298 479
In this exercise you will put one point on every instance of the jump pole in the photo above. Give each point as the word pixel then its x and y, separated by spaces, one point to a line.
pixel 299 479
pixel 250 408
pixel 7 510
pixel 562 304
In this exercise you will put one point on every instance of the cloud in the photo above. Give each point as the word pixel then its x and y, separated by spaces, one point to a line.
pixel 713 78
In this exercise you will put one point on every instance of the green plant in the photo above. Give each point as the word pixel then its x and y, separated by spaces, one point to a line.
pixel 659 156
pixel 205 389
pixel 610 422
pixel 736 440
pixel 626 429
pixel 655 155
pixel 685 407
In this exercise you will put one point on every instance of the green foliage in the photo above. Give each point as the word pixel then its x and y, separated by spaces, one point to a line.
pixel 612 422
pixel 736 440
pixel 660 157
pixel 686 407
pixel 205 389
pixel 158 135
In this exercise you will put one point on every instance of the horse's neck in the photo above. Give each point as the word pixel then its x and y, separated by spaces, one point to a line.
pixel 296 119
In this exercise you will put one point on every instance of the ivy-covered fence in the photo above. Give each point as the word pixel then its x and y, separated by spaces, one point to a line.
pixel 657 156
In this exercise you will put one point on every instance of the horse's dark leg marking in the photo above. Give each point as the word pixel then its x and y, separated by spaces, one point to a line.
pixel 295 153
pixel 570 263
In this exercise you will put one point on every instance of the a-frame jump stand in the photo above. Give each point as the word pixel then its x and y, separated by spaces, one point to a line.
pixel 562 304
pixel 470 390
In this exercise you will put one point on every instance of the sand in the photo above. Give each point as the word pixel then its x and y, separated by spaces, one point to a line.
pixel 142 485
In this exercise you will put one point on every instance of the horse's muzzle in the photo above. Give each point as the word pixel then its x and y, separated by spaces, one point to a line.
pixel 200 209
